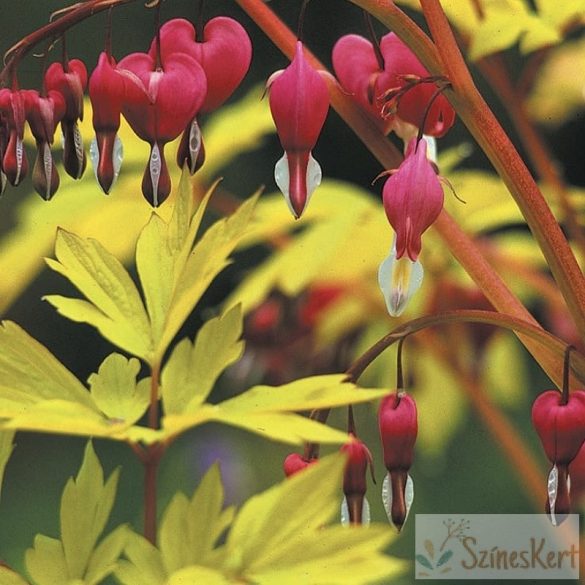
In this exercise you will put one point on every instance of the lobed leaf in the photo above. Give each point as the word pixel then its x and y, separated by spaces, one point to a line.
pixel 102 279
pixel 144 565
pixel 45 562
pixel 192 369
pixel 195 574
pixel 115 391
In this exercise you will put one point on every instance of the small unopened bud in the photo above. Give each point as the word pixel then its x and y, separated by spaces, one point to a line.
pixel 354 480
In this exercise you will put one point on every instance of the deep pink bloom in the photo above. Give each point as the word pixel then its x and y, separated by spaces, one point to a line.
pixel 106 92
pixel 43 113
pixel 357 68
pixel 359 459
pixel 294 463
pixel 561 428
pixel 13 110
pixel 224 53
pixel 299 101
pixel 159 103
pixel 413 199
pixel 397 420
pixel 70 79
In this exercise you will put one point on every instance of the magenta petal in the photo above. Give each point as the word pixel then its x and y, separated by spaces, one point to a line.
pixel 299 101
pixel 413 199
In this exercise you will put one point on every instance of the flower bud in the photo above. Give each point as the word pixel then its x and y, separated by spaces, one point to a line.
pixel 70 79
pixel 294 463
pixel 561 428
pixel 299 101
pixel 13 109
pixel 354 482
pixel 397 419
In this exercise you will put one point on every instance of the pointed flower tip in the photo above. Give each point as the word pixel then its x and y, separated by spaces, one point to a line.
pixel 297 175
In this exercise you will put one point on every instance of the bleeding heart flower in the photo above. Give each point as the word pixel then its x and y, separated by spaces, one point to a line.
pixel 355 508
pixel 106 92
pixel 13 109
pixel 396 90
pixel 561 428
pixel 224 53
pixel 397 419
pixel 43 115
pixel 70 79
pixel 413 199
pixel 299 101
pixel 159 103
pixel 356 66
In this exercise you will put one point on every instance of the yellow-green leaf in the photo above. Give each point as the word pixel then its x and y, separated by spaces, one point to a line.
pixel 280 535
pixel 45 562
pixel 104 558
pixel 144 565
pixel 105 283
pixel 29 373
pixel 304 394
pixel 85 508
pixel 192 369
pixel 8 577
pixel 190 528
pixel 115 391
pixel 208 258
pixel 6 447
pixel 195 574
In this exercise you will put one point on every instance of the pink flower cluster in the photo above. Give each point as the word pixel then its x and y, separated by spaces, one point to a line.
pixel 160 93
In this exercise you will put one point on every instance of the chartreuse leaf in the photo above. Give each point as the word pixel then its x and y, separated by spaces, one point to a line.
pixel 192 369
pixel 207 259
pixel 143 564
pixel 190 527
pixel 278 536
pixel 196 574
pixel 8 577
pixel 115 391
pixel 86 504
pixel 268 410
pixel 6 447
pixel 29 373
pixel 117 310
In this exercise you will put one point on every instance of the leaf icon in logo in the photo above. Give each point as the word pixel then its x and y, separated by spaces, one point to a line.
pixel 430 548
pixel 424 561
pixel 444 557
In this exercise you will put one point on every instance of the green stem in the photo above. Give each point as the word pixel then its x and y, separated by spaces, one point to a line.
pixel 553 344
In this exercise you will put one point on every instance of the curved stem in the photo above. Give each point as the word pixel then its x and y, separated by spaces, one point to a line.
pixel 446 59
pixel 553 344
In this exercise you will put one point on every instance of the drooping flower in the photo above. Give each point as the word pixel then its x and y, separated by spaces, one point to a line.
pixel 159 103
pixel 106 92
pixel 413 199
pixel 70 79
pixel 398 90
pixel 224 53
pixel 3 145
pixel 561 428
pixel 299 101
pixel 355 508
pixel 397 419
pixel 13 109
pixel 43 113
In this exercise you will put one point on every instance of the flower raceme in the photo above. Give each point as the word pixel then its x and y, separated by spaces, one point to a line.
pixel 299 102
pixel 397 420
pixel 224 52
pixel 561 428
pixel 393 86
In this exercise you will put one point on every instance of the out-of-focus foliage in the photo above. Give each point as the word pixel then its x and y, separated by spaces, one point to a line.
pixel 507 22
pixel 85 508
pixel 279 536
pixel 558 92
pixel 6 446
